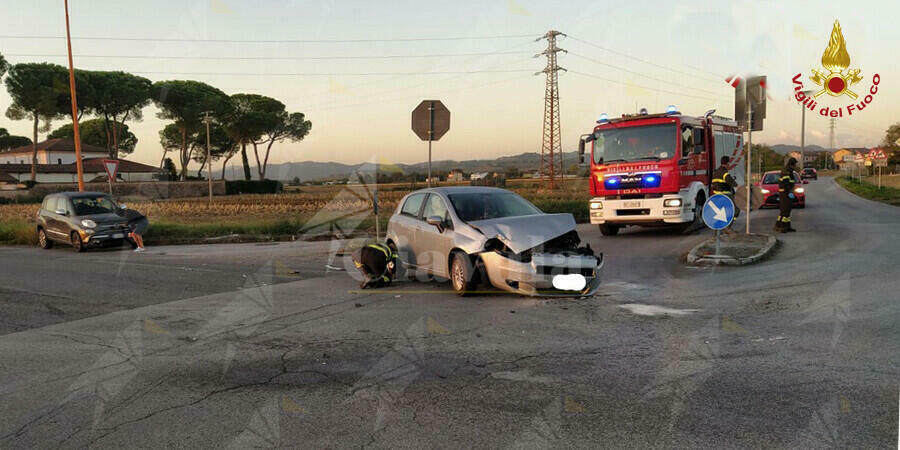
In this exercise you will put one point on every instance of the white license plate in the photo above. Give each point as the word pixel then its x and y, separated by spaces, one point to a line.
pixel 570 282
pixel 118 236
pixel 632 204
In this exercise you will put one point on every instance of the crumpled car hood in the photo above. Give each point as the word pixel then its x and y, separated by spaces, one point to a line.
pixel 524 232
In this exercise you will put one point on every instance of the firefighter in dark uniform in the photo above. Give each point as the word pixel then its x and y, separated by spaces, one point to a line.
pixel 785 197
pixel 724 183
pixel 377 263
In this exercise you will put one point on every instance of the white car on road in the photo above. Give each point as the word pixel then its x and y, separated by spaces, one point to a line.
pixel 474 235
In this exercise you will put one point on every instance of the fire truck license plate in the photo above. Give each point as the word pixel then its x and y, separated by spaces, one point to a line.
pixel 632 204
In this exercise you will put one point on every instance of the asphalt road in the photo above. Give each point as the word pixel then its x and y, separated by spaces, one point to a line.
pixel 261 345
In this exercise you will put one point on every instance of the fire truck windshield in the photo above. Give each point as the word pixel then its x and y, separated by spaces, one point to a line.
pixel 637 143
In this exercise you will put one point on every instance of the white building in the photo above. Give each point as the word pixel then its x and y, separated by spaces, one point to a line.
pixel 56 164
pixel 52 151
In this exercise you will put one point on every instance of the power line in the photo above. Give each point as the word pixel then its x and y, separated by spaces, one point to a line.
pixel 624 55
pixel 329 74
pixel 312 74
pixel 409 96
pixel 453 64
pixel 274 58
pixel 276 41
pixel 643 87
pixel 648 76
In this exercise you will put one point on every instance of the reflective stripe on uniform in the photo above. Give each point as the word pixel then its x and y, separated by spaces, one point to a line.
pixel 387 252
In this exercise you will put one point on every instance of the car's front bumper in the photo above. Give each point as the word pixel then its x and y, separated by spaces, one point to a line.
pixel 771 200
pixel 535 278
pixel 102 236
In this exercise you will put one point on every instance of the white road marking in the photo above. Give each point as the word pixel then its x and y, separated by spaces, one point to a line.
pixel 652 310
pixel 521 375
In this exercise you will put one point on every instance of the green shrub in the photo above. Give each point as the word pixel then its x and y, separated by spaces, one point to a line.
pixel 577 208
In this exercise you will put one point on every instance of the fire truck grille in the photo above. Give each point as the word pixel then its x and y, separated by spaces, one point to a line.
pixel 633 212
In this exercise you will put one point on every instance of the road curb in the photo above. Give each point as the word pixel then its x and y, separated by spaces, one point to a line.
pixel 694 257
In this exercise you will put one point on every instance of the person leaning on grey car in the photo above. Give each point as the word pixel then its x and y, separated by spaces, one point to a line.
pixel 138 224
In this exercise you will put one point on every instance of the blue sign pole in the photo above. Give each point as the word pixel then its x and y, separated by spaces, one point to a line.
pixel 718 213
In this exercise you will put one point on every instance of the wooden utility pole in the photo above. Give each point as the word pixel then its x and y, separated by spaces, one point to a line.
pixel 206 120
pixel 78 164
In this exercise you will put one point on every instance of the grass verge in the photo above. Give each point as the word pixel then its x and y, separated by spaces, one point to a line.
pixel 17 233
pixel 863 189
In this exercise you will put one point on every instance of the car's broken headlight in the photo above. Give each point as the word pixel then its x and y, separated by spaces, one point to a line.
pixel 494 245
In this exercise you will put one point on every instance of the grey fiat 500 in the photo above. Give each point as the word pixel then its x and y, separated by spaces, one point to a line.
pixel 80 219
pixel 484 235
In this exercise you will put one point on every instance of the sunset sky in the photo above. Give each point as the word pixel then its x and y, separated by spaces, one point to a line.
pixel 622 56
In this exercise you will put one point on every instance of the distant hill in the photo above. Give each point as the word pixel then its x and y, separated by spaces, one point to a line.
pixel 312 170
pixel 784 149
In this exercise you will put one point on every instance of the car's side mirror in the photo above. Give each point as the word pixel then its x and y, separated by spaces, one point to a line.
pixel 61 212
pixel 437 221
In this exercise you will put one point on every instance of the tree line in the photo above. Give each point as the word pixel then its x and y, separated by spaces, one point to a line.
pixel 40 93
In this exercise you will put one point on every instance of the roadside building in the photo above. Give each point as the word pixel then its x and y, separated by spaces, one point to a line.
pixel 52 151
pixel 9 182
pixel 840 156
pixel 68 173
pixel 455 175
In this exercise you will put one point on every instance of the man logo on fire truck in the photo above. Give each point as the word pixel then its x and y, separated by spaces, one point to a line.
pixel 835 82
pixel 656 169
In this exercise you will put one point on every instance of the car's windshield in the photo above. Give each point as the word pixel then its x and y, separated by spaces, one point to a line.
pixel 772 178
pixel 635 143
pixel 490 205
pixel 85 206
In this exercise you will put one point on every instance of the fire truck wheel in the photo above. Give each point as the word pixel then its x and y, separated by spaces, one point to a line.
pixel 699 202
pixel 609 230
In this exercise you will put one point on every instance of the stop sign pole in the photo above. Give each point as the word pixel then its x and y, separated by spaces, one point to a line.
pixel 430 135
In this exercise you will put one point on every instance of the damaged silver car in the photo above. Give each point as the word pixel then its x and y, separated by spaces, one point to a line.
pixel 491 236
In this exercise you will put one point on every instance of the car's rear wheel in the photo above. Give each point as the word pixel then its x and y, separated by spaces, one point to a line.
pixel 462 274
pixel 609 230
pixel 77 243
pixel 43 240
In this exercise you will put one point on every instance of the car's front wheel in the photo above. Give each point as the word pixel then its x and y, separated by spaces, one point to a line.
pixel 43 240
pixel 462 274
pixel 77 243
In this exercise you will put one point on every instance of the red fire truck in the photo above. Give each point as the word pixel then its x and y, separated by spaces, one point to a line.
pixel 655 169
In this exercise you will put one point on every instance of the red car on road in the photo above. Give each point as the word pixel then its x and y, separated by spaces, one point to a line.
pixel 769 187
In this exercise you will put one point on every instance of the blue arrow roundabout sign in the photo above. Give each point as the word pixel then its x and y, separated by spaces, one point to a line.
pixel 718 212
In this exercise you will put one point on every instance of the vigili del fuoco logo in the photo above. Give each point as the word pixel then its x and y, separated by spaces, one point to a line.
pixel 837 80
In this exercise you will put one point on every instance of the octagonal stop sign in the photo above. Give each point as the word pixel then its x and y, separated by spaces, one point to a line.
pixel 430 120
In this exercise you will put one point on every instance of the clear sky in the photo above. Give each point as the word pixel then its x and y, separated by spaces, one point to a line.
pixel 672 52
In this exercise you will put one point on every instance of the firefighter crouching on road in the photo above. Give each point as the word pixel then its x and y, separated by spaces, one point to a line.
pixel 724 183
pixel 785 197
pixel 377 263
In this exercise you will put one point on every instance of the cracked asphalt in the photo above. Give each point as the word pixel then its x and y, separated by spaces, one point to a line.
pixel 261 346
